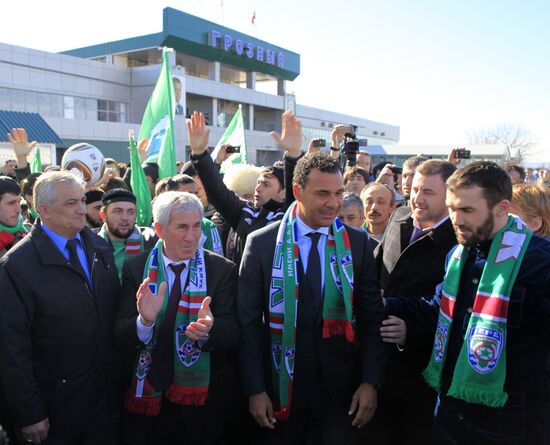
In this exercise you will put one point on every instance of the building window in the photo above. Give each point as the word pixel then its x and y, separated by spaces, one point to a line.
pixel 68 107
pixel 110 111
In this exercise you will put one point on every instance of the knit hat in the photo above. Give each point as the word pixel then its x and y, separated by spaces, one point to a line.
pixel 118 195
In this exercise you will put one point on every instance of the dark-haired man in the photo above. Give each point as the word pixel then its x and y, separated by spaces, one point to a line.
pixel 299 321
pixel 11 223
pixel 93 207
pixel 119 229
pixel 493 328
pixel 243 216
pixel 410 261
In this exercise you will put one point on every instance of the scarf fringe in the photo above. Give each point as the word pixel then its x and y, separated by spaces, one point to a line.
pixel 431 377
pixel 334 328
pixel 481 397
pixel 283 414
pixel 187 395
pixel 149 406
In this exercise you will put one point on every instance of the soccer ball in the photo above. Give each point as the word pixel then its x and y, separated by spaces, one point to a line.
pixel 85 158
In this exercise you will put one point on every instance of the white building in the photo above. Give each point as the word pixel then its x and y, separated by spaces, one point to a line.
pixel 96 94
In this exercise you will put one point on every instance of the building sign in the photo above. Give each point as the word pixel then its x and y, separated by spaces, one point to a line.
pixel 240 47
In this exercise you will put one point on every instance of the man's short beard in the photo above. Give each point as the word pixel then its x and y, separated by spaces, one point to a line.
pixel 93 223
pixel 118 233
pixel 482 233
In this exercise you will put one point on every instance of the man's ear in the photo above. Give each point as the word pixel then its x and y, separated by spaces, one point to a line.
pixel 158 229
pixel 102 215
pixel 502 208
pixel 296 191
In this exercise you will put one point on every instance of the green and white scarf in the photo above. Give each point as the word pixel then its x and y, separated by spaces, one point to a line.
pixel 210 238
pixel 191 364
pixel 480 369
pixel 134 243
pixel 338 317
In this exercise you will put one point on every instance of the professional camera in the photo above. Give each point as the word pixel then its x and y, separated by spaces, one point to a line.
pixel 350 146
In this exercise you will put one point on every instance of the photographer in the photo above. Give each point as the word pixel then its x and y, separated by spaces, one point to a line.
pixel 345 145
pixel 389 176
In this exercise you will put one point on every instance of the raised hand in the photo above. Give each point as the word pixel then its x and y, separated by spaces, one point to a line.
pixel 21 145
pixel 199 329
pixel 148 303
pixel 198 133
pixel 290 138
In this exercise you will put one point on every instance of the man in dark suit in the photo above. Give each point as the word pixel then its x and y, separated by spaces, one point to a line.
pixel 60 293
pixel 332 380
pixel 411 262
pixel 183 338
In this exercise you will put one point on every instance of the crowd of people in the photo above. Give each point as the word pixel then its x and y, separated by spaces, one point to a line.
pixel 321 299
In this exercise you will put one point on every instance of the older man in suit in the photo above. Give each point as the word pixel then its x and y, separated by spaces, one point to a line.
pixel 310 309
pixel 182 333
pixel 60 293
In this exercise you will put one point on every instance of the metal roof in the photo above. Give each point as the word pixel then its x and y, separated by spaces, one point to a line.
pixel 37 128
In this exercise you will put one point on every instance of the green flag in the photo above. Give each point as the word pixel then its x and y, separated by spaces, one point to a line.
pixel 36 163
pixel 139 186
pixel 234 135
pixel 158 123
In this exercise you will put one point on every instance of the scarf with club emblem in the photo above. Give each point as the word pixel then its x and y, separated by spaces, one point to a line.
pixel 191 364
pixel 338 318
pixel 480 369
pixel 134 243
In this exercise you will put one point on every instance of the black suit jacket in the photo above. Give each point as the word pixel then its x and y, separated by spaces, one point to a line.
pixel 343 367
pixel 411 271
pixel 57 343
pixel 221 281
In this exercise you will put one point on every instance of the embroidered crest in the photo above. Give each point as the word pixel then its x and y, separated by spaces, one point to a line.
pixel 289 361
pixel 188 351
pixel 143 364
pixel 276 354
pixel 484 348
pixel 439 341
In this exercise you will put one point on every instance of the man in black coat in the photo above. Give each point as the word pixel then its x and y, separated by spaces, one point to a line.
pixel 507 355
pixel 411 262
pixel 60 294
pixel 334 383
pixel 215 334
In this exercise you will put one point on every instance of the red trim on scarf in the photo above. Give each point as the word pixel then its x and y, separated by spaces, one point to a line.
pixel 6 239
pixel 333 328
pixel 187 395
pixel 494 306
pixel 447 305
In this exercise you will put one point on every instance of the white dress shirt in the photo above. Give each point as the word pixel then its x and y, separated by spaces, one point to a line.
pixel 304 245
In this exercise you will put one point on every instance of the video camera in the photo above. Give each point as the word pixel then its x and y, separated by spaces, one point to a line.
pixel 350 145
pixel 233 149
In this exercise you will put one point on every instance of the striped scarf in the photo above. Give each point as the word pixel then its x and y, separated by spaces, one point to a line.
pixel 191 364
pixel 480 369
pixel 134 243
pixel 338 318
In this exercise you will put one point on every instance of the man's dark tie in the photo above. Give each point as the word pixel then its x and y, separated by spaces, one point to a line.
pixel 313 273
pixel 73 257
pixel 161 374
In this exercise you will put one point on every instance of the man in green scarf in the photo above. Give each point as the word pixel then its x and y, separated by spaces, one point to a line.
pixel 11 223
pixel 119 229
pixel 491 319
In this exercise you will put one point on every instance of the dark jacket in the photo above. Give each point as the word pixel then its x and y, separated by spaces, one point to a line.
pixel 343 367
pixel 221 281
pixel 411 271
pixel 243 217
pixel 58 358
pixel 527 339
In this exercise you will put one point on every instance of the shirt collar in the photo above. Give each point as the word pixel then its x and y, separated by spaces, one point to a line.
pixel 59 241
pixel 435 226
pixel 304 229
pixel 167 261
